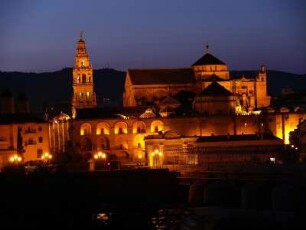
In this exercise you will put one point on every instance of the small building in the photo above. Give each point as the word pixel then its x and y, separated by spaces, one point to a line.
pixel 24 135
pixel 191 154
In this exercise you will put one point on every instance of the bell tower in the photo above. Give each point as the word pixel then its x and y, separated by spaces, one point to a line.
pixel 83 86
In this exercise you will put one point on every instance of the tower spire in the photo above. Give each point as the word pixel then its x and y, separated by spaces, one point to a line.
pixel 83 85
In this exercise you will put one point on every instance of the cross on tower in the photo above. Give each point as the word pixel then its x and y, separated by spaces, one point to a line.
pixel 207 48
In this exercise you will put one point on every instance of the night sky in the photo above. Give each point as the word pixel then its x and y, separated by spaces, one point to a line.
pixel 41 35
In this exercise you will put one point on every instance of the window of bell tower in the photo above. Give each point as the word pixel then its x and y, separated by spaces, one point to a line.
pixel 84 78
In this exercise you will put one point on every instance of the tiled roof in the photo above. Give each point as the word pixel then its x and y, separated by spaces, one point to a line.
pixel 161 76
pixel 214 89
pixel 169 101
pixel 245 137
pixel 208 59
pixel 110 112
pixel 213 77
pixel 167 109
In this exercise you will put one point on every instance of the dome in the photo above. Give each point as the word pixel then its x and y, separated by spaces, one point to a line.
pixel 62 117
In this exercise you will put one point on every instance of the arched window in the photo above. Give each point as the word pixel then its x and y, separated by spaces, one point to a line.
pixel 120 128
pixel 157 126
pixel 89 79
pixel 84 78
pixel 138 141
pixel 85 129
pixel 103 143
pixel 102 128
pixel 78 79
pixel 139 127
pixel 86 144
pixel 120 143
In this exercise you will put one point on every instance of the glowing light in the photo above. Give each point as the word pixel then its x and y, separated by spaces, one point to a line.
pixel 244 113
pixel 100 155
pixel 102 216
pixel 155 157
pixel 46 156
pixel 157 153
pixel 15 159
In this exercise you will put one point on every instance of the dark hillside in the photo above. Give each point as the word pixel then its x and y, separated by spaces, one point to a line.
pixel 56 87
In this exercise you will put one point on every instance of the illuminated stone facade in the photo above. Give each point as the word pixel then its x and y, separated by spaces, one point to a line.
pixel 283 121
pixel 175 117
pixel 83 84
pixel 208 78
pixel 23 135
pixel 59 131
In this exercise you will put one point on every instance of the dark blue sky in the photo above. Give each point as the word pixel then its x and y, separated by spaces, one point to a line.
pixel 41 35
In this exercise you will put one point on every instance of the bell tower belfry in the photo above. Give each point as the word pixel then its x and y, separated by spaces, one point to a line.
pixel 83 86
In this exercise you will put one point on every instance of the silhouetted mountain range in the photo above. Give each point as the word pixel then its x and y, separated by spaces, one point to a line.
pixel 56 87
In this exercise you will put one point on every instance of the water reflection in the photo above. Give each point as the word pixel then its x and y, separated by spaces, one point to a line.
pixel 178 219
pixel 122 219
pixel 162 219
pixel 103 217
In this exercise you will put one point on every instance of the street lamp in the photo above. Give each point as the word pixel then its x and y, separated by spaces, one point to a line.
pixel 155 156
pixel 139 162
pixel 100 155
pixel 15 159
pixel 46 157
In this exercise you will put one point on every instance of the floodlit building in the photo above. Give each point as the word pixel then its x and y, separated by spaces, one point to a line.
pixel 215 91
pixel 83 84
pixel 172 117
pixel 23 138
